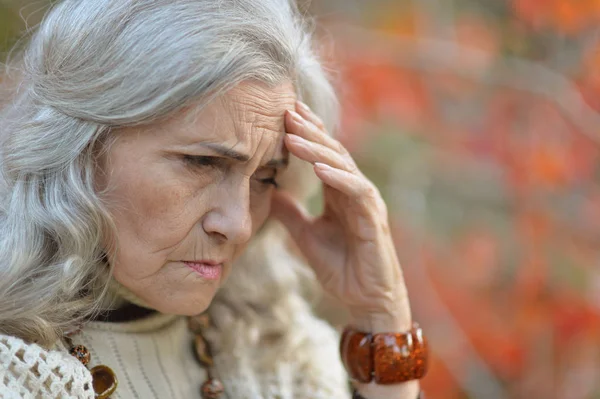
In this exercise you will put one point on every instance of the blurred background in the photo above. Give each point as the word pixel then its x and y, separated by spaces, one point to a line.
pixel 478 120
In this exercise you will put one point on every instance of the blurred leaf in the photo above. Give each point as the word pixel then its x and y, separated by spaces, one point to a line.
pixel 9 26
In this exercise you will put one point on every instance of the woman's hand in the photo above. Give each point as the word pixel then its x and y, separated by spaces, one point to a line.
pixel 349 246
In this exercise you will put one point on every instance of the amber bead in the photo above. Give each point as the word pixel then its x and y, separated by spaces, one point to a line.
pixel 104 381
pixel 81 353
pixel 357 355
pixel 388 358
pixel 422 358
pixel 399 357
pixel 211 389
pixel 203 351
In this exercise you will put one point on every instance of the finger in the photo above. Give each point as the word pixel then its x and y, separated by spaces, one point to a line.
pixel 362 191
pixel 367 215
pixel 312 152
pixel 291 214
pixel 296 124
pixel 305 111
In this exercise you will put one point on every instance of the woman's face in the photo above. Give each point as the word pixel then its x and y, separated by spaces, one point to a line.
pixel 191 190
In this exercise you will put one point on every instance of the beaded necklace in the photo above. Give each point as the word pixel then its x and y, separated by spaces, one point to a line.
pixel 104 379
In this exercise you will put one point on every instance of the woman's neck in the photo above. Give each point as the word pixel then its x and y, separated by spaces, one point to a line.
pixel 127 312
pixel 123 305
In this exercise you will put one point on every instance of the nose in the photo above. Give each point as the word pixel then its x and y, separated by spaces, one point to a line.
pixel 230 218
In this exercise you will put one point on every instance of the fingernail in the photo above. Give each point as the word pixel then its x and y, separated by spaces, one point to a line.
pixel 297 118
pixel 322 166
pixel 303 106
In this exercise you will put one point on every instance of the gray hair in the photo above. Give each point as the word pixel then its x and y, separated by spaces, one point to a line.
pixel 90 67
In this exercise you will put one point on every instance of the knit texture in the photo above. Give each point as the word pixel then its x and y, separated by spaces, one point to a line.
pixel 153 358
pixel 28 371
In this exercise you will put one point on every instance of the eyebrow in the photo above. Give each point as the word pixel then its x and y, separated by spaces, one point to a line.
pixel 238 156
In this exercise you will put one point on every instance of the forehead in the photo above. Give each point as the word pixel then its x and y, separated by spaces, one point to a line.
pixel 266 104
pixel 245 116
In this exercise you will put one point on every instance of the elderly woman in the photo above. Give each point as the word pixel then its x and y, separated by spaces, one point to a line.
pixel 154 155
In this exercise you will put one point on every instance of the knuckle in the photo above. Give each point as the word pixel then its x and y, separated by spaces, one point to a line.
pixel 382 209
pixel 348 166
pixel 352 166
pixel 370 191
pixel 374 196
pixel 339 147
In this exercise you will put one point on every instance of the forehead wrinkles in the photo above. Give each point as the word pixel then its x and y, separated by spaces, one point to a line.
pixel 257 114
pixel 261 106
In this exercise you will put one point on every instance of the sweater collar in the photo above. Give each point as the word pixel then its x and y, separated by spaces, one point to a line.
pixel 125 313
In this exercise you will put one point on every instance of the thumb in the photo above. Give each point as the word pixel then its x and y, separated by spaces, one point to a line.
pixel 291 214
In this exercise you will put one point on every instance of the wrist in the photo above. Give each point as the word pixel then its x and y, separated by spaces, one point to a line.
pixel 382 322
pixel 393 316
pixel 404 390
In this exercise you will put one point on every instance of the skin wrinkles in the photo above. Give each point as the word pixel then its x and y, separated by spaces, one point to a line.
pixel 169 205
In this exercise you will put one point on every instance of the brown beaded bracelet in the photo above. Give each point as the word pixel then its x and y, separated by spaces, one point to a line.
pixel 387 358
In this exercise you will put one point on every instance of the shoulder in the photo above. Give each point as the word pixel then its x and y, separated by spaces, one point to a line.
pixel 286 350
pixel 318 368
pixel 27 369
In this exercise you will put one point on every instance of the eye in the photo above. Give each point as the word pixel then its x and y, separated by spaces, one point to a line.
pixel 270 181
pixel 267 177
pixel 198 160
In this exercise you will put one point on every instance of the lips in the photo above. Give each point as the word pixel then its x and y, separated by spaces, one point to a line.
pixel 206 261
pixel 209 270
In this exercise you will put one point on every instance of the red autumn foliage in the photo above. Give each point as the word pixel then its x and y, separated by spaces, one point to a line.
pixel 494 188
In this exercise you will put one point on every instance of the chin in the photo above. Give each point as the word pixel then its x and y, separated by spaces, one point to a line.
pixel 185 298
pixel 188 308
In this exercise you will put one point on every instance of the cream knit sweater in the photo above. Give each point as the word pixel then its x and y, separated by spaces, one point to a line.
pixel 152 358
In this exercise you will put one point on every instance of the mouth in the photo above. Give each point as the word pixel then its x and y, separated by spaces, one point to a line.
pixel 209 270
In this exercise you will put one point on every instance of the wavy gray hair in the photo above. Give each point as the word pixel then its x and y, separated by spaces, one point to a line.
pixel 90 67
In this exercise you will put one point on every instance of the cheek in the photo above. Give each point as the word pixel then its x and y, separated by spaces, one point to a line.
pixel 154 209
pixel 260 206
pixel 148 206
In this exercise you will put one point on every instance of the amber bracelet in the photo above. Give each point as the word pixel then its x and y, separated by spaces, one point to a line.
pixel 386 358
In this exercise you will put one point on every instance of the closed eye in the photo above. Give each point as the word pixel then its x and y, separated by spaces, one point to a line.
pixel 200 160
pixel 265 176
pixel 269 181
